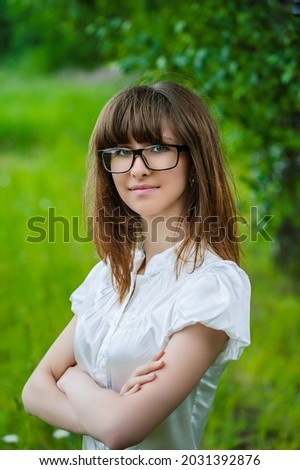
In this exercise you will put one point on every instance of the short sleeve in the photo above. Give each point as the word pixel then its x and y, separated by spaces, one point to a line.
pixel 83 297
pixel 219 298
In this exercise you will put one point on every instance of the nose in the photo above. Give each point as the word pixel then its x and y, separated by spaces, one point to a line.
pixel 139 168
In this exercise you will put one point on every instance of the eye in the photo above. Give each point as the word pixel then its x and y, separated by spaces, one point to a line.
pixel 120 152
pixel 160 148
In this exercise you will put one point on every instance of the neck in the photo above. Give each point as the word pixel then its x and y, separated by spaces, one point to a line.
pixel 160 235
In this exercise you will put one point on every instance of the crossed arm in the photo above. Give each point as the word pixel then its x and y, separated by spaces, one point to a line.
pixel 61 394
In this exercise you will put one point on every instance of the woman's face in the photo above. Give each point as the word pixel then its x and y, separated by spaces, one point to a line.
pixel 155 193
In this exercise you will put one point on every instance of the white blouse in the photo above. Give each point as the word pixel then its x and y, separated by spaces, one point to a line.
pixel 113 338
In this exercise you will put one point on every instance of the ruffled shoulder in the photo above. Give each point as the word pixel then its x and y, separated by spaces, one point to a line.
pixel 83 297
pixel 217 296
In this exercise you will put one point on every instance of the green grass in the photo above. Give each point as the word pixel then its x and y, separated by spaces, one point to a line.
pixel 45 124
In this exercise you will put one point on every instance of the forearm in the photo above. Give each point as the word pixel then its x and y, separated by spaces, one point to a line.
pixel 122 421
pixel 118 421
pixel 42 398
pixel 96 408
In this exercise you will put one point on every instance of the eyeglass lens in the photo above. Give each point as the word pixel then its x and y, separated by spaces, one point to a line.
pixel 156 157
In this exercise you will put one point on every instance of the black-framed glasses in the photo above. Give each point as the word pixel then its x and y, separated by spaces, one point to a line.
pixel 155 157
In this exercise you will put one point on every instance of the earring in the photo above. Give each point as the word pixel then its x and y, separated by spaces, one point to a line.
pixel 192 181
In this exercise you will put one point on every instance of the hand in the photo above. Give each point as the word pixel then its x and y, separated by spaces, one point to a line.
pixel 64 380
pixel 143 374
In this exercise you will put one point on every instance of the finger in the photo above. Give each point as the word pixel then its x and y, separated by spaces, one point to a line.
pixel 60 386
pixel 133 390
pixel 140 380
pixel 151 366
pixel 154 364
pixel 129 385
pixel 125 389
pixel 158 356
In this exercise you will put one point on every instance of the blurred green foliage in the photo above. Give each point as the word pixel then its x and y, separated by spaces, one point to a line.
pixel 244 55
pixel 45 125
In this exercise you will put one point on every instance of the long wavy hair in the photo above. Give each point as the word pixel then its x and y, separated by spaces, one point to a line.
pixel 139 112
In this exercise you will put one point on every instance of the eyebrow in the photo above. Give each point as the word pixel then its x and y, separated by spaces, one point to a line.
pixel 164 140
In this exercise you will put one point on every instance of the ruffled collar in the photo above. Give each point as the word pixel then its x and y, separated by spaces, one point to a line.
pixel 168 258
pixel 158 262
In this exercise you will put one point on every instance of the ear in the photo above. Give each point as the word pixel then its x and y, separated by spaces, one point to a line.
pixel 192 177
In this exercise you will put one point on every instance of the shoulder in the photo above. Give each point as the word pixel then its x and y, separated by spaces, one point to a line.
pixel 90 285
pixel 217 295
pixel 216 275
pixel 217 285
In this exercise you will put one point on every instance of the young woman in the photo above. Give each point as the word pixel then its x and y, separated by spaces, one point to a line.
pixel 160 316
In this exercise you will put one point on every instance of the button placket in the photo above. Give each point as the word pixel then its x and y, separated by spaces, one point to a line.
pixel 102 363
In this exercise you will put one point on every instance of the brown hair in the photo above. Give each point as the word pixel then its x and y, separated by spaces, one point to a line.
pixel 139 112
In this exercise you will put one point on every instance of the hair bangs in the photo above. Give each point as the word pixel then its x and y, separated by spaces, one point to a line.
pixel 138 113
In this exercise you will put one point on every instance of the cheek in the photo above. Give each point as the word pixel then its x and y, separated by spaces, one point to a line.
pixel 183 174
pixel 119 182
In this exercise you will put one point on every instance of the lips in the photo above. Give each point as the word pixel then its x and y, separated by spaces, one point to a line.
pixel 142 186
pixel 143 189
